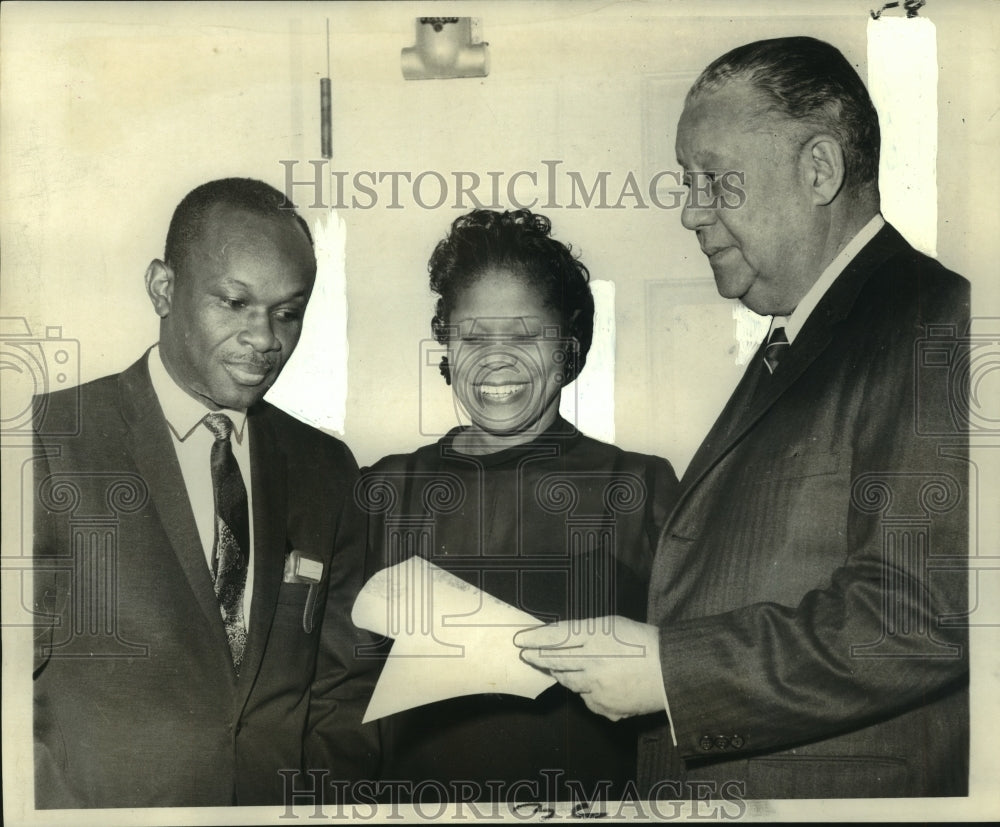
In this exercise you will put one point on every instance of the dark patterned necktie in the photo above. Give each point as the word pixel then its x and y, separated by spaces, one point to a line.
pixel 775 348
pixel 232 534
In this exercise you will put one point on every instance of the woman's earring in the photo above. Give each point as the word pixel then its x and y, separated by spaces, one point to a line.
pixel 569 370
pixel 445 369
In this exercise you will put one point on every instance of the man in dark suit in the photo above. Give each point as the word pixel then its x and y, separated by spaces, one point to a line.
pixel 806 615
pixel 197 551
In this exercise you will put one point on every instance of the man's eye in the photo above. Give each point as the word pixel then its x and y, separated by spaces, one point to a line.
pixel 289 315
pixel 706 176
pixel 233 304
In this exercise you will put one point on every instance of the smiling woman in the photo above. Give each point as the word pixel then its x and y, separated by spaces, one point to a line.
pixel 517 315
pixel 533 512
pixel 507 371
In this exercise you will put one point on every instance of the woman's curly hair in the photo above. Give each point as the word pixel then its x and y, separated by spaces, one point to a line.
pixel 520 243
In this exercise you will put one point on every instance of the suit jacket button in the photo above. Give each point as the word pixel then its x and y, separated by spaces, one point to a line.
pixel 721 742
pixel 706 742
pixel 737 741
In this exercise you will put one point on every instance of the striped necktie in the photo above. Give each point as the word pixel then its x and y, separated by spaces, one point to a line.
pixel 230 550
pixel 775 348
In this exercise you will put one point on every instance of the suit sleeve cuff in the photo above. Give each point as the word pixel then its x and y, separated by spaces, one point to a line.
pixel 666 701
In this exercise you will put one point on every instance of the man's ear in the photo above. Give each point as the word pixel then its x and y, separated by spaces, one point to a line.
pixel 160 286
pixel 825 165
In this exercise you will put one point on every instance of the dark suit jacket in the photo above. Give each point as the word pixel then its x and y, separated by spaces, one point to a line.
pixel 810 587
pixel 136 700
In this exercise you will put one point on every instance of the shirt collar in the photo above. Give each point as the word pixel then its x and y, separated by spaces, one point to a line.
pixel 793 323
pixel 183 412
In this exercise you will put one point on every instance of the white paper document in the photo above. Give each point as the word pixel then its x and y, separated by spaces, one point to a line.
pixel 451 639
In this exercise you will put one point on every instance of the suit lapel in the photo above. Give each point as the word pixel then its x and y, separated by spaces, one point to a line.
pixel 732 415
pixel 152 448
pixel 270 510
pixel 759 390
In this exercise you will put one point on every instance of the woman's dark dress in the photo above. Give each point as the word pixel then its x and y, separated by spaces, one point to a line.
pixel 564 526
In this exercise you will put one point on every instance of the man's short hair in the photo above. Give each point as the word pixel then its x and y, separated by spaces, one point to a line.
pixel 247 194
pixel 810 81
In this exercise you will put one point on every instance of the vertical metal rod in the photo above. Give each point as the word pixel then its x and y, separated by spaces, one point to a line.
pixel 325 104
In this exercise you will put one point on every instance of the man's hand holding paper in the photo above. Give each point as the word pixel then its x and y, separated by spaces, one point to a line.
pixel 612 662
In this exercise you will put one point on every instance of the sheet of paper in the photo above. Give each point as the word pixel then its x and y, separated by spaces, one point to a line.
pixel 450 639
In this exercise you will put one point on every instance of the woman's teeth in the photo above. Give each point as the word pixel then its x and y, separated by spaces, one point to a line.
pixel 499 393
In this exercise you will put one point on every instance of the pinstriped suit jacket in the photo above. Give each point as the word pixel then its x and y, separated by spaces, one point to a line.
pixel 809 586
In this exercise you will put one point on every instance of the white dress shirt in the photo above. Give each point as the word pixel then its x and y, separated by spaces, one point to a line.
pixel 193 444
